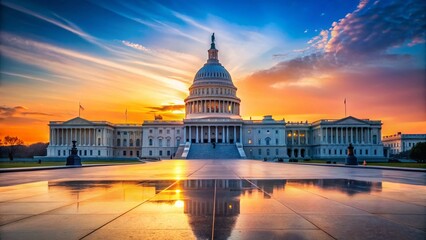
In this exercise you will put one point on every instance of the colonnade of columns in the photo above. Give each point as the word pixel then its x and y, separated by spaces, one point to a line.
pixel 83 136
pixel 212 106
pixel 346 135
pixel 213 133
pixel 297 137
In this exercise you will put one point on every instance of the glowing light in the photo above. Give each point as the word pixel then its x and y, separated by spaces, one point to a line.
pixel 177 190
pixel 230 206
pixel 179 204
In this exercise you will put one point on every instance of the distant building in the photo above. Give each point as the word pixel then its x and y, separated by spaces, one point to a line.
pixel 400 142
pixel 213 128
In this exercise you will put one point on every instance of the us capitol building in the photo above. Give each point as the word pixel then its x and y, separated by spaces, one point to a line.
pixel 213 128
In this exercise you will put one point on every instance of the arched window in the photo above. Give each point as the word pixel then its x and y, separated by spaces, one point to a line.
pixel 268 140
pixel 138 142
pixel 124 142
pixel 160 142
pixel 150 142
pixel 118 142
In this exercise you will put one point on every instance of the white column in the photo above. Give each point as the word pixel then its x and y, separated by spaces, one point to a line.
pixel 352 135
pixel 202 134
pixel 209 133
pixel 184 134
pixel 196 134
pixel 362 135
pixel 326 135
pixel 292 137
pixel 216 134
pixel 347 137
pixel 190 134
pixel 306 137
pixel 241 134
pixel 337 135
pixel 298 137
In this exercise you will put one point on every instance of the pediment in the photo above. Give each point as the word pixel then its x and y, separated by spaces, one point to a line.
pixel 78 121
pixel 351 121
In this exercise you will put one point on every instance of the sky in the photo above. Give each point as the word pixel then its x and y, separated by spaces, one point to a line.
pixel 295 60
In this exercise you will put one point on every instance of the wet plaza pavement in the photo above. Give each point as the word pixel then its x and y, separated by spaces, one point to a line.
pixel 213 199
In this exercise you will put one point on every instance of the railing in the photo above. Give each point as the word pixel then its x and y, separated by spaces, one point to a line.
pixel 186 149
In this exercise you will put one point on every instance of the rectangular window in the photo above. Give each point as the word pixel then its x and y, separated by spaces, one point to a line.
pixel 124 153
pixel 150 130
pixel 79 152
pixel 276 151
pixel 168 153
pixel 150 152
pixel 259 141
pixel 125 133
pixel 85 152
pixel 168 131
pixel 258 131
pixel 59 152
pixel 99 152
pixel 178 131
pixel 276 131
pixel 260 151
pixel 366 151
pixel 161 153
pixel 91 152
pixel 137 153
pixel 131 153
pixel 160 131
pixel 118 133
pixel 375 152
pixel 276 141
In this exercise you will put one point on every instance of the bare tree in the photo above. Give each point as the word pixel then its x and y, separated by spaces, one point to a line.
pixel 11 142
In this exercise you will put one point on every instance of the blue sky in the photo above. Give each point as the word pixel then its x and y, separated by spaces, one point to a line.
pixel 142 55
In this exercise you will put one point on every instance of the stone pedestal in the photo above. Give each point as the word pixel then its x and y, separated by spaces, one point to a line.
pixel 73 159
pixel 351 159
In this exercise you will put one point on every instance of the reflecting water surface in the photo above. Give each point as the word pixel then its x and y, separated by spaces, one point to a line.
pixel 206 209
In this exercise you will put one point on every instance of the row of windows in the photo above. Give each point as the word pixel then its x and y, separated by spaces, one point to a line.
pixel 131 153
pixel 160 131
pixel 130 133
pixel 213 74
pixel 160 153
pixel 267 141
pixel 160 142
pixel 80 152
pixel 343 151
pixel 259 131
pixel 138 142
pixel 221 91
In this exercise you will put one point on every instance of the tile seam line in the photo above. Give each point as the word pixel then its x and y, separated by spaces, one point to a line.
pixel 282 203
pixel 378 215
pixel 291 209
pixel 115 218
pixel 214 208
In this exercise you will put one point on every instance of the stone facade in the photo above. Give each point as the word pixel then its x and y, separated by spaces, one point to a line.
pixel 212 116
pixel 400 142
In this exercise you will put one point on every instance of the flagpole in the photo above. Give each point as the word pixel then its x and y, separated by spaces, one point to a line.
pixel 345 107
pixel 79 108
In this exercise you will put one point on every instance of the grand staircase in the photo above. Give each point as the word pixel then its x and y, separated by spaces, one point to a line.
pixel 220 151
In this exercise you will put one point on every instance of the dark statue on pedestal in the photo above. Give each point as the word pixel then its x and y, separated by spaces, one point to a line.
pixel 351 159
pixel 73 159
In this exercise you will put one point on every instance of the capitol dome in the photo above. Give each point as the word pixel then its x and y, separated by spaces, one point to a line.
pixel 212 94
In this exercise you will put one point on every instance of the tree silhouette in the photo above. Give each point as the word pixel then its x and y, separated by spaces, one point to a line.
pixel 12 142
pixel 418 152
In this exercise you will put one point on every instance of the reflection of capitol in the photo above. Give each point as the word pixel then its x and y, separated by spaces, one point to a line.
pixel 200 197
pixel 202 205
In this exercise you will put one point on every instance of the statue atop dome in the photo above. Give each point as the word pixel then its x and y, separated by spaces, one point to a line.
pixel 213 45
